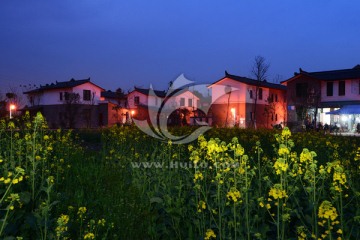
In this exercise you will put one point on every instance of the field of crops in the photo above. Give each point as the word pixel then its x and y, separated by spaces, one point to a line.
pixel 119 183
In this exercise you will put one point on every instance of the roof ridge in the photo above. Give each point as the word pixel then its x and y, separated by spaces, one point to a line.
pixel 339 70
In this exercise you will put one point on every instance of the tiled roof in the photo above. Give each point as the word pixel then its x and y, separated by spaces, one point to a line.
pixel 111 94
pixel 342 74
pixel 59 85
pixel 146 92
pixel 252 82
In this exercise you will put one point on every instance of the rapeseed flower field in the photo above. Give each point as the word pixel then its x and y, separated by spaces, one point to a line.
pixel 118 183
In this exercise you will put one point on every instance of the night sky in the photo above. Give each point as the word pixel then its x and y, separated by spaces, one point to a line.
pixel 127 43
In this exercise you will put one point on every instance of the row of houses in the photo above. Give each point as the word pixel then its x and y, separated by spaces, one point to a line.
pixel 307 97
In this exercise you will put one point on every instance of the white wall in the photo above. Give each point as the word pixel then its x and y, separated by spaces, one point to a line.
pixel 240 92
pixel 52 96
pixel 351 91
pixel 93 89
pixel 186 95
pixel 142 99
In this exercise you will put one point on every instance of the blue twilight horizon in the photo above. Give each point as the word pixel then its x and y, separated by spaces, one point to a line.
pixel 127 43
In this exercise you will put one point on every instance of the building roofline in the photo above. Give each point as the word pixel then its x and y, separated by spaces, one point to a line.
pixel 329 75
pixel 62 85
pixel 250 81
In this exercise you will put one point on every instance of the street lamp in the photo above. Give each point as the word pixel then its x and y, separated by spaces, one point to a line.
pixel 12 107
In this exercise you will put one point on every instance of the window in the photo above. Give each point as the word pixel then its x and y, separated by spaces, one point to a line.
pixel 271 98
pixel 67 96
pixel 251 94
pixel 190 103
pixel 31 100
pixel 260 93
pixel 136 100
pixel 182 102
pixel 61 96
pixel 276 98
pixel 341 88
pixel 329 89
pixel 272 117
pixel 251 115
pixel 86 95
pixel 156 101
pixel 301 90
pixel 275 116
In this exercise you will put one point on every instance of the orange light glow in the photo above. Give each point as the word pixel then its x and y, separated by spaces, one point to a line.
pixel 11 107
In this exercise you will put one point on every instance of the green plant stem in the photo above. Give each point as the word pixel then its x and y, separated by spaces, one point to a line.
pixel 33 167
pixel 4 220
pixel 341 215
pixel 315 227
pixel 278 220
pixel 247 204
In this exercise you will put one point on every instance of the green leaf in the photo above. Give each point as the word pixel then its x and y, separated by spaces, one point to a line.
pixel 156 200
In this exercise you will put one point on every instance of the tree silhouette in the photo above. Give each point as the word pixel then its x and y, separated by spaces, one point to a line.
pixel 259 71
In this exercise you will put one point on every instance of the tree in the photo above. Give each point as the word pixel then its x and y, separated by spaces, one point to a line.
pixel 259 71
pixel 120 104
pixel 71 109
pixel 227 91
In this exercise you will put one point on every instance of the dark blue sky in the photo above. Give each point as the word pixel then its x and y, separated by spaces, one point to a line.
pixel 127 43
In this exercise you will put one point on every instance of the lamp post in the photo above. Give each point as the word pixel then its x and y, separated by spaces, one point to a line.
pixel 12 107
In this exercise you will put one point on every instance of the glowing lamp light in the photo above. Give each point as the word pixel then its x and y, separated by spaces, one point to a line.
pixel 12 107
pixel 132 112
pixel 232 110
pixel 344 118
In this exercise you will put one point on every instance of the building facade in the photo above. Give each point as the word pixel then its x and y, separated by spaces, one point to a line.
pixel 244 102
pixel 311 96
pixel 70 104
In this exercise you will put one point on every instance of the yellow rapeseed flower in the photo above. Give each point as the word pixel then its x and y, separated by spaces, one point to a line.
pixel 280 166
pixel 201 206
pixel 198 176
pixel 277 192
pixel 327 211
pixel 89 236
pixel 209 234
pixel 81 211
pixel 233 195
pixel 286 133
